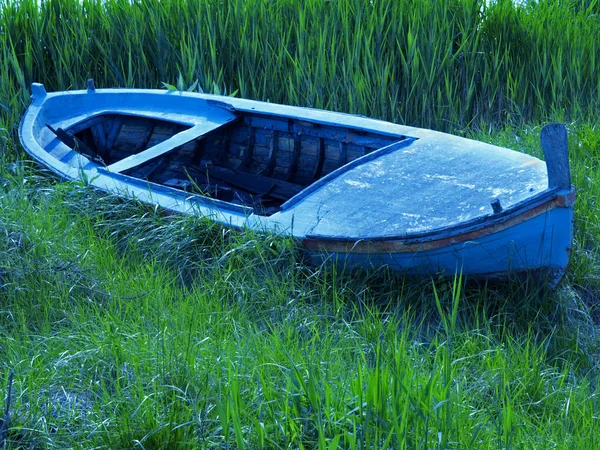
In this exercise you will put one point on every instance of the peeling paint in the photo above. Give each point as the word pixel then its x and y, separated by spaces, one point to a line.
pixel 358 184
pixel 497 192
pixel 440 177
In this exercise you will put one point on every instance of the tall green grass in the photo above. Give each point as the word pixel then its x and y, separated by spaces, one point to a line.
pixel 112 346
pixel 443 64
pixel 125 328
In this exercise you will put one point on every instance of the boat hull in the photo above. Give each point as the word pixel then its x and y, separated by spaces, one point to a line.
pixel 355 191
pixel 539 240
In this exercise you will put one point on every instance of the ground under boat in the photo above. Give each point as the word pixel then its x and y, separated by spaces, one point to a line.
pixel 355 191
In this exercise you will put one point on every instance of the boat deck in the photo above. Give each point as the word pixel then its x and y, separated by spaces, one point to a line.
pixel 426 186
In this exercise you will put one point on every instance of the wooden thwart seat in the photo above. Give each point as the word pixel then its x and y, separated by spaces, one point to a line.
pixel 166 146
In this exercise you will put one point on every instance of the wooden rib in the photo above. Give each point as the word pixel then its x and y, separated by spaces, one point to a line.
pixel 114 132
pixel 273 149
pixel 99 138
pixel 249 154
pixel 343 154
pixel 226 149
pixel 295 157
pixel 320 160
pixel 198 152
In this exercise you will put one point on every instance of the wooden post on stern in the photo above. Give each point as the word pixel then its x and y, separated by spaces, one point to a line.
pixel 556 151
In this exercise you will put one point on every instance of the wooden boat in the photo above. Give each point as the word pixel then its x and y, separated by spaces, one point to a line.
pixel 355 191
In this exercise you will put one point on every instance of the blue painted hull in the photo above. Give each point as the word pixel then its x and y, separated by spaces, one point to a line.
pixel 354 190
pixel 542 243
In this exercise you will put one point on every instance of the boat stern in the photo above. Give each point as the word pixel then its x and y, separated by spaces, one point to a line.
pixel 536 237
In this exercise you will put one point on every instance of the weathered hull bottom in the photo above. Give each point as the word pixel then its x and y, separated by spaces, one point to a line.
pixel 519 249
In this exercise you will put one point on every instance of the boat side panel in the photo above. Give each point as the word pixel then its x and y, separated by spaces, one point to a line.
pixel 541 242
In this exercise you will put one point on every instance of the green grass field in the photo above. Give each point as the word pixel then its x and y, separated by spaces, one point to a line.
pixel 122 327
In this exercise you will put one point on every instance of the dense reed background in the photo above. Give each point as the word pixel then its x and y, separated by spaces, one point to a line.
pixel 125 328
pixel 443 64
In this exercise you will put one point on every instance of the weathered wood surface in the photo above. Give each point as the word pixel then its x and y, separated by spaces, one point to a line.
pixel 165 146
pixel 556 151
pixel 422 205
pixel 270 159
pixel 254 184
pixel 251 148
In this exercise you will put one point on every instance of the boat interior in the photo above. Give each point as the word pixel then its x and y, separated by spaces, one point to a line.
pixel 252 159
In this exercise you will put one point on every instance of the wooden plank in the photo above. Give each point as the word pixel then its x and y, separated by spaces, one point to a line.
pixel 240 133
pixel 328 166
pixel 144 142
pixel 310 146
pixel 252 184
pixel 262 137
pixel 332 150
pixel 261 156
pixel 302 180
pixel 284 159
pixel 306 167
pixel 354 152
pixel 147 170
pixel 198 152
pixel 556 150
pixel 163 131
pixel 249 150
pixel 112 135
pixel 164 147
pixel 89 123
pixel 280 172
pixel 236 149
pixel 224 150
pixel 267 123
pixel 186 152
pixel 335 133
pixel 284 190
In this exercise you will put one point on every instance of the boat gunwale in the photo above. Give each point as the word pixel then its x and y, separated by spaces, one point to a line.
pixel 251 106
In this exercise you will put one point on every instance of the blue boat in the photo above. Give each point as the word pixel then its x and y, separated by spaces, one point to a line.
pixel 355 191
